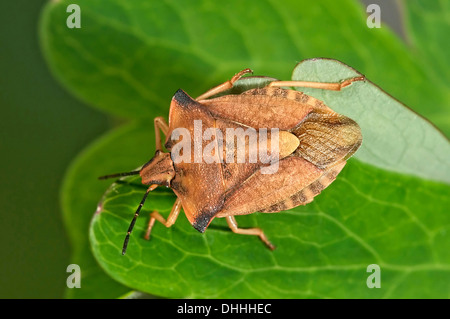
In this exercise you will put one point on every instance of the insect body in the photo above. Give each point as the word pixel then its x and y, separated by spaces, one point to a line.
pixel 312 145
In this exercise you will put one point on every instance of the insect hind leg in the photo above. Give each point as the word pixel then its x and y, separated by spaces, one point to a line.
pixel 335 86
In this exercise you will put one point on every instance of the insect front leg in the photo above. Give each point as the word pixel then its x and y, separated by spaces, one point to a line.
pixel 231 221
pixel 170 220
pixel 224 86
pixel 336 86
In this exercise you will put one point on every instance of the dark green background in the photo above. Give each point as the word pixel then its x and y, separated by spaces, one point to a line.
pixel 42 129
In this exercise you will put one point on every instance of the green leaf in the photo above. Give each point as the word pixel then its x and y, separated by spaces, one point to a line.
pixel 368 216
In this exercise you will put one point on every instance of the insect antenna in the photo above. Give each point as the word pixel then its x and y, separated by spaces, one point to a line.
pixel 133 221
pixel 119 175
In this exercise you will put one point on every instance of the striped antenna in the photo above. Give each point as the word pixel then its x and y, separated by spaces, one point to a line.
pixel 119 175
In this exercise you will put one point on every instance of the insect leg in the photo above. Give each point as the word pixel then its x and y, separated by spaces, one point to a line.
pixel 337 86
pixel 170 220
pixel 224 86
pixel 231 221
pixel 160 124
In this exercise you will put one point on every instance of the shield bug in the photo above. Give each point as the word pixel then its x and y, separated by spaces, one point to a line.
pixel 310 144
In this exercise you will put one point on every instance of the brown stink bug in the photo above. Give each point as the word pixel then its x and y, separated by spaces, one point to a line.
pixel 310 144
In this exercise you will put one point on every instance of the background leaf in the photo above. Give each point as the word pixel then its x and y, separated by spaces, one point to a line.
pixel 137 54
pixel 129 57
pixel 428 23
